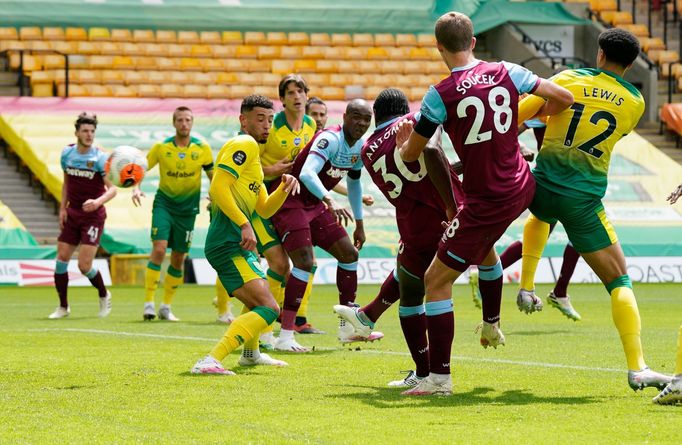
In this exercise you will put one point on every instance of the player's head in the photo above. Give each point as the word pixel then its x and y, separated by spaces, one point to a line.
pixel 183 119
pixel 293 92
pixel 86 125
pixel 356 119
pixel 255 117
pixel 617 46
pixel 317 109
pixel 390 103
pixel 454 33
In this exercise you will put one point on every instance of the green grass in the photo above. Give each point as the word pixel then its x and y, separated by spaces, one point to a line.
pixel 121 380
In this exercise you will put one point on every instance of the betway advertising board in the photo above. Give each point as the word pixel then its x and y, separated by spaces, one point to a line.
pixel 41 273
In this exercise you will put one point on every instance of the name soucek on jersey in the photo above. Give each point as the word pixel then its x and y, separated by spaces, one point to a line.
pixel 576 152
pixel 180 174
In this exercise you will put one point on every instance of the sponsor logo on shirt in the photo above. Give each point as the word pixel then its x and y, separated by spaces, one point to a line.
pixel 71 171
pixel 195 155
pixel 322 144
pixel 239 157
pixel 335 173
pixel 255 187
pixel 180 174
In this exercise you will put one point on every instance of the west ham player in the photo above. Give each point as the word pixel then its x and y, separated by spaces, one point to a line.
pixel 314 217
pixel 422 204
pixel 477 106
pixel 237 193
pixel 81 213
pixel 571 176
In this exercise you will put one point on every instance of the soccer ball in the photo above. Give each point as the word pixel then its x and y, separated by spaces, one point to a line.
pixel 126 166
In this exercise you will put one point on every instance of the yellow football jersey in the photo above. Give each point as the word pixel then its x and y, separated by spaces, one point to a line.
pixel 240 157
pixel 576 151
pixel 283 142
pixel 180 173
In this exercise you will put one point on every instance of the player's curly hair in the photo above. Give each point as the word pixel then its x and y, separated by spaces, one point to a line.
pixel 253 101
pixel 619 46
pixel 390 103
pixel 85 118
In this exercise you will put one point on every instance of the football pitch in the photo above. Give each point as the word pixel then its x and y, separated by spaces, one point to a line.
pixel 122 380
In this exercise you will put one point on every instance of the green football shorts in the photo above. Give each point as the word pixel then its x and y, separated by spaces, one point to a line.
pixel 234 265
pixel 175 229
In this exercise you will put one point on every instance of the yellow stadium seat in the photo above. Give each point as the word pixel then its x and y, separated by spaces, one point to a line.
pixel 313 52
pixel 665 70
pixel 30 33
pixel 360 79
pixel 426 40
pixel 254 38
pixel 133 49
pixel 341 39
pixel 363 39
pixel 98 90
pixel 384 39
pixel 369 66
pixel 143 36
pixel 226 78
pixel 53 61
pixel 377 53
pixel 79 61
pixel 217 91
pixel 419 54
pixel 42 77
pixel 265 90
pixel 75 33
pixel 42 90
pixel 405 40
pixel 637 29
pixel 299 38
pixel 320 39
pixel 398 53
pixel 65 47
pixel 348 66
pixel 332 93
pixel 290 52
pixel 166 63
pixel 87 48
pixel 273 79
pixel 258 66
pixel 203 78
pixel 372 91
pixel 200 50
pixel 179 77
pixel 187 37
pixel 435 54
pixel 121 35
pixel 334 52
pixel 9 33
pixel 326 66
pixel 85 76
pixel 235 65
pixel 622 18
pixel 232 38
pixel 192 91
pixel 413 67
pixel 178 50
pixel 283 66
pixel 149 49
pixel 668 57
pixel 247 51
pixel 123 91
pixel 75 90
pixel 415 93
pixel 240 91
pixel 269 52
pixel 317 80
pixel 603 5
pixel 101 62
pixel 39 45
pixel 434 67
pixel 166 36
pixel 340 80
pixel 99 34
pixel 223 51
pixel 148 90
pixel 391 67
pixel 209 64
pixel 123 63
pixel 158 77
pixel 110 48
pixel 13 45
pixel 145 63
pixel 245 78
pixel 305 66
pixel 210 37
pixel 652 43
pixel 111 77
pixel 356 53
pixel 276 38
pixel 134 77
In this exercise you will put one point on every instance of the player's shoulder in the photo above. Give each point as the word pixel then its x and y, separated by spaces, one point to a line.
pixel 68 149
pixel 279 121
pixel 243 142
pixel 309 123
pixel 193 140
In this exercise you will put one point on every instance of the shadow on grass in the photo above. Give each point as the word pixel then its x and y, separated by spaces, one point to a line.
pixel 391 398
pixel 533 333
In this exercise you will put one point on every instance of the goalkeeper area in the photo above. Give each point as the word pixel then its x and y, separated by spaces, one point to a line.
pixel 120 380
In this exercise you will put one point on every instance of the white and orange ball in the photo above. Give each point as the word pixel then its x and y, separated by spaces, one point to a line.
pixel 126 166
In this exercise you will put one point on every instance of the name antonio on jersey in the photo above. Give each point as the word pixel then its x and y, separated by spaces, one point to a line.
pixel 391 131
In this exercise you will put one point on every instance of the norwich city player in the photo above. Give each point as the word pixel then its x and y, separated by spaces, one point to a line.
pixel 237 194
pixel 181 159
pixel 571 176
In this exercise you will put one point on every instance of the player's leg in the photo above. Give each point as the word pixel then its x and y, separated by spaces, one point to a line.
pixel 559 297
pixel 86 254
pixel 179 241
pixel 535 234
pixel 490 283
pixel 672 393
pixel 278 270
pixel 160 233
pixel 222 303
pixel 302 324
pixel 61 277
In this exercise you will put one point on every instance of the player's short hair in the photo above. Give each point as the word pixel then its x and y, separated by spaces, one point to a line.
pixel 454 31
pixel 85 118
pixel 180 110
pixel 389 103
pixel 619 46
pixel 253 101
pixel 314 101
pixel 292 78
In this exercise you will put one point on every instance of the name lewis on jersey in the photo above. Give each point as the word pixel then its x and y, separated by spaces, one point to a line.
pixel 600 93
pixel 71 171
pixel 476 79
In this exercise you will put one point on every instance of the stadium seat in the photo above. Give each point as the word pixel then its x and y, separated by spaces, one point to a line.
pixel 426 41
pixel 258 66
pixel 178 50
pixel 235 65
pixel 665 70
pixel 419 54
pixel 8 33
pixel 190 64
pixel 172 90
pixel 405 40
pixel 348 66
pixel 436 68
pixel 75 33
pixel 668 57
pixel 299 38
pixel 42 89
pixel 111 77
pixel 143 36
pixel 87 48
pixel 39 45
pixel 363 39
pixel 122 63
pixel 188 37
pixel 232 38
pixel 98 90
pixel 391 67
pixel 290 52
pixel 85 76
pixel 200 50
pixel 30 33
pixel 415 93
pixel 652 43
pixel 99 34
pixel 124 91
pixel 246 78
pixel 167 36
pixel 356 53
pixel 217 91
pixel 326 66
pixel 254 38
pixel 75 90
pixel 211 64
pixel 178 77
pixel 384 39
pixel 320 39
pixel 133 49
pixel 134 77
pixel 223 51
pixel 305 66
pixel 226 78
pixel 121 35
pixel 603 5
pixel 276 38
pixel 341 39
pixel 370 66
pixel 38 77
pixel 268 52
pixel 377 53
pixel 247 51
pixel 53 61
pixel 339 79
pixel 166 63
pixel 210 37
pixel 143 63
pixel 101 62
pixel 332 93
pixel 110 48
pixel 413 67
pixel 148 90
pixel 79 61
pixel 65 47
pixel 280 66
pixel 238 91
pixel 203 78
pixel 13 44
pixel 193 91
pixel 30 62
pixel 398 53
pixel 151 49
pixel 637 29
pixel 316 80
pixel 333 52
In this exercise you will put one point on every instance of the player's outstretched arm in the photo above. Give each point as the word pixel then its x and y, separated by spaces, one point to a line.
pixel 675 194
pixel 438 169
pixel 558 98
pixel 222 196
pixel 410 143
pixel 341 189
pixel 311 181
pixel 93 204
pixel 62 204
pixel 278 168
pixel 267 205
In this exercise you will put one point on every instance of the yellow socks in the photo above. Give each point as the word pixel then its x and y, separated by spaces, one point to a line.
pixel 678 363
pixel 170 283
pixel 626 318
pixel 276 284
pixel 303 309
pixel 223 297
pixel 535 234
pixel 246 327
pixel 151 281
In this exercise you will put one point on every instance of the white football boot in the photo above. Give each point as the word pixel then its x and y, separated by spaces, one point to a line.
pixel 410 381
pixel 352 317
pixel 346 334
pixel 645 378
pixel 209 365
pixel 528 302
pixel 104 306
pixel 429 386
pixel 165 313
pixel 672 393
pixel 491 335
pixel 254 358
pixel 564 305
pixel 60 312
pixel 286 342
pixel 149 311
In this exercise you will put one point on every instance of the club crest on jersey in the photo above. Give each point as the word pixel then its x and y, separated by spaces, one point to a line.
pixel 322 144
pixel 90 164
pixel 195 155
pixel 169 154
pixel 297 141
pixel 181 155
pixel 239 157
pixel 354 159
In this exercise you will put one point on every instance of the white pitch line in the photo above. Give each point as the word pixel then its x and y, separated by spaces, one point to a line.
pixel 367 351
